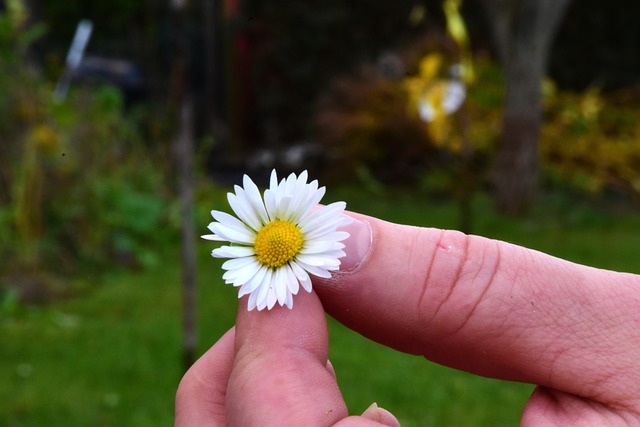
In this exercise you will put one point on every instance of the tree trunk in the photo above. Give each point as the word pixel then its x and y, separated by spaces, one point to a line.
pixel 184 154
pixel 211 114
pixel 523 30
pixel 184 160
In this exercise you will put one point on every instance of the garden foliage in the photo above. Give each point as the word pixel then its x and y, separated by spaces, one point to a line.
pixel 364 126
pixel 78 186
pixel 590 140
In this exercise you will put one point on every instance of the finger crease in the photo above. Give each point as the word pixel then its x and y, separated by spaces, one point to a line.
pixel 457 275
pixel 427 277
pixel 485 289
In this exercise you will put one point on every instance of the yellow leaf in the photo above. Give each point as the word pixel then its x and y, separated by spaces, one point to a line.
pixel 455 24
pixel 430 66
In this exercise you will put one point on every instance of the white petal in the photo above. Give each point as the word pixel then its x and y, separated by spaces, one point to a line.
pixel 312 201
pixel 254 283
pixel 232 235
pixel 243 208
pixel 307 199
pixel 302 178
pixel 283 207
pixel 316 271
pixel 213 237
pixel 228 220
pixel 336 236
pixel 297 185
pixel 234 271
pixel 329 214
pixel 273 180
pixel 321 230
pixel 240 276
pixel 335 250
pixel 270 203
pixel 238 263
pixel 263 290
pixel 291 184
pixel 259 295
pixel 290 209
pixel 346 220
pixel 289 301
pixel 280 190
pixel 318 260
pixel 280 285
pixel 292 281
pixel 274 184
pixel 251 304
pixel 337 254
pixel 271 298
pixel 319 246
pixel 255 198
pixel 300 185
pixel 302 275
pixel 243 290
pixel 233 252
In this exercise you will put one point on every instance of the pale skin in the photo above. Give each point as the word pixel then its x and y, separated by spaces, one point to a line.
pixel 467 302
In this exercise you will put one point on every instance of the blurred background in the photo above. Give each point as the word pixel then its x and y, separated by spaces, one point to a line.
pixel 122 124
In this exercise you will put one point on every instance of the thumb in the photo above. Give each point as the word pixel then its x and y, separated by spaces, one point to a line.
pixel 280 373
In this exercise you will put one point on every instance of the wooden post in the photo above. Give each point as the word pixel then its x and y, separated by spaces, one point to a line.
pixel 184 160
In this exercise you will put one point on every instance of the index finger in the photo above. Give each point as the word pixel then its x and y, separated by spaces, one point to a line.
pixel 201 395
pixel 490 308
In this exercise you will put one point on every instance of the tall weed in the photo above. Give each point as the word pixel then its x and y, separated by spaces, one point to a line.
pixel 80 188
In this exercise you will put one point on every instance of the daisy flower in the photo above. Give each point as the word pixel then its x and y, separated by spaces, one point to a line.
pixel 279 240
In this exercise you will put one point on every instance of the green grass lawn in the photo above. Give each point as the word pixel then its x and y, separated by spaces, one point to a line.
pixel 111 357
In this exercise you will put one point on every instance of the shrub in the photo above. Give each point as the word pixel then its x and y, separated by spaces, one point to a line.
pixel 592 140
pixel 79 187
pixel 370 121
pixel 363 123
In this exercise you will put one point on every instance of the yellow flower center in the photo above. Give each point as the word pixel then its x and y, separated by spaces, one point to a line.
pixel 277 243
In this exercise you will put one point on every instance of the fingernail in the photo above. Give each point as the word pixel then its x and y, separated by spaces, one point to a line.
pixel 357 245
pixel 372 412
pixel 380 415
pixel 329 367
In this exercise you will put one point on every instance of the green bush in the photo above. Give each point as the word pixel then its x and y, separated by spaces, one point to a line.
pixel 365 128
pixel 80 188
pixel 370 122
pixel 592 140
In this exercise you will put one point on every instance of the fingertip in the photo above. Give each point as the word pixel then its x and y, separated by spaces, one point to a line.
pixel 281 371
pixel 357 245
pixel 376 293
pixel 303 326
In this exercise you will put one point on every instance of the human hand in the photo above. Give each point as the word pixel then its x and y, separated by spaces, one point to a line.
pixel 474 304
